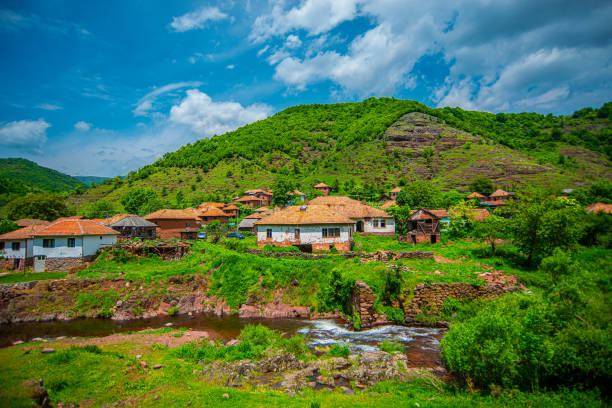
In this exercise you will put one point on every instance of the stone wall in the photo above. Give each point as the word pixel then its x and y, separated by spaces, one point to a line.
pixel 383 256
pixel 65 264
pixel 363 307
pixel 430 298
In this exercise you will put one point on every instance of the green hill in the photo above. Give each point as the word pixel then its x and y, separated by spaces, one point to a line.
pixel 35 176
pixel 378 143
pixel 91 179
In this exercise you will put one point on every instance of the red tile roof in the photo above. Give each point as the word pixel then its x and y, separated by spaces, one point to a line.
pixel 210 204
pixel 187 214
pixel 476 195
pixel 230 207
pixel 322 185
pixel 26 222
pixel 500 193
pixel 301 215
pixel 388 204
pixel 74 227
pixel 22 233
pixel 247 199
pixel 213 212
pixel 396 190
pixel 599 207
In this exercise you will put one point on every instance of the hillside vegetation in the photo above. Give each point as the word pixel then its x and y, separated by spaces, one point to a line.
pixel 378 143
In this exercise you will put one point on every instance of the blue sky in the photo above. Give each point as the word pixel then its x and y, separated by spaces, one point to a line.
pixel 102 88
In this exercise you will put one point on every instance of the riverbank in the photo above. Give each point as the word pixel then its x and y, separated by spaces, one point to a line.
pixel 155 369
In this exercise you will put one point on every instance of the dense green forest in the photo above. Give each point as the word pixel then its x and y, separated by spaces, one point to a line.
pixel 37 177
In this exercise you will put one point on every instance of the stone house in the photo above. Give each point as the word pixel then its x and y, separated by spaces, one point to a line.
pixel 368 220
pixel 263 195
pixel 70 242
pixel 309 227
pixel 171 223
pixel 231 210
pixel 17 247
pixel 213 214
pixel 323 188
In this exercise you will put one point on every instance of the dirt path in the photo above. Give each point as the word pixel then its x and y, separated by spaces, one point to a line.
pixel 441 259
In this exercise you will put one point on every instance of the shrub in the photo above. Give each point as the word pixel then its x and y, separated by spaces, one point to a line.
pixel 172 311
pixel 390 347
pixel 339 351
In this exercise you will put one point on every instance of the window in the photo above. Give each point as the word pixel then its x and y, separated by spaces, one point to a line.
pixel 375 223
pixel 1 246
pixel 269 233
pixel 48 243
pixel 330 232
pixel 71 243
pixel 15 246
pixel 187 224
pixel 297 233
pixel 383 223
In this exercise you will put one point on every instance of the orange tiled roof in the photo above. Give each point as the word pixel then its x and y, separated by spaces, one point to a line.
pixel 388 204
pixel 210 204
pixel 476 195
pixel 322 185
pixel 74 217
pixel 22 233
pixel 479 213
pixel 301 215
pixel 26 222
pixel 599 207
pixel 74 227
pixel 500 193
pixel 247 199
pixel 116 218
pixel 213 212
pixel 170 214
pixel 396 190
pixel 99 220
pixel 349 208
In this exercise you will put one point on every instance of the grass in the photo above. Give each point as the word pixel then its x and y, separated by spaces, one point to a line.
pixel 111 373
pixel 16 277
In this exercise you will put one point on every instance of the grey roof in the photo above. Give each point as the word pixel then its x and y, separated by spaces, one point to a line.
pixel 247 223
pixel 133 222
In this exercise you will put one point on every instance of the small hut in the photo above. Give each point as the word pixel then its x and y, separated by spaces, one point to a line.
pixel 134 227
pixel 189 233
pixel 424 227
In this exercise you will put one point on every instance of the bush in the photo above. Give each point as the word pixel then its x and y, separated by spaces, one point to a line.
pixel 390 347
pixel 339 351
pixel 172 311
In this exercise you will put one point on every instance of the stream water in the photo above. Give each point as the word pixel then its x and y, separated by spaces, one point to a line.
pixel 422 344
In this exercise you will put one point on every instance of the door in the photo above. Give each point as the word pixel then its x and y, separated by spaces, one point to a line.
pixel 39 263
pixel 433 239
pixel 359 226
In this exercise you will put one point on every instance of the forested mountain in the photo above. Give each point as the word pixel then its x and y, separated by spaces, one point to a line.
pixel 90 179
pixel 378 143
pixel 19 177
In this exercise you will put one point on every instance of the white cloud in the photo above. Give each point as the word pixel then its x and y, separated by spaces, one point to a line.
pixel 314 16
pixel 48 106
pixel 145 105
pixel 519 55
pixel 197 19
pixel 29 135
pixel 231 66
pixel 293 41
pixel 82 126
pixel 207 118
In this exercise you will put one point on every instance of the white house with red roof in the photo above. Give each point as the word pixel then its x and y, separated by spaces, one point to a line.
pixel 67 243
pixel 17 247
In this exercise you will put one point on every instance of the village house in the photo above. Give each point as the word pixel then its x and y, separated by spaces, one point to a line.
pixel 424 227
pixel 323 188
pixel 68 243
pixel 213 214
pixel 394 193
pixel 309 227
pixel 387 204
pixel 133 226
pixel 250 201
pixel 248 222
pixel 296 195
pixel 206 205
pixel 231 210
pixel 368 220
pixel 263 195
pixel 478 214
pixel 476 196
pixel 174 223
pixel 499 196
pixel 17 247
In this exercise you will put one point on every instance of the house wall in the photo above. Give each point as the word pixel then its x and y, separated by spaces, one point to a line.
pixel 369 229
pixel 21 253
pixel 92 243
pixel 172 228
pixel 283 235
pixel 84 246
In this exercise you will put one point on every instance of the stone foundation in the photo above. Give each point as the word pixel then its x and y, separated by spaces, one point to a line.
pixel 64 264
pixel 13 263
pixel 417 239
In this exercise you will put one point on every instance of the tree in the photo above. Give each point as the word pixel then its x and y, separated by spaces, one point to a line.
pixel 7 226
pixel 151 206
pixel 42 206
pixel 420 194
pixel 213 230
pixel 136 198
pixel 493 227
pixel 540 223
pixel 462 220
pixel 99 209
pixel 335 186
pixel 180 198
pixel 482 185
pixel 282 186
pixel 401 215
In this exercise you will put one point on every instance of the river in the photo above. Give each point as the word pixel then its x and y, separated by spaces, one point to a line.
pixel 422 344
